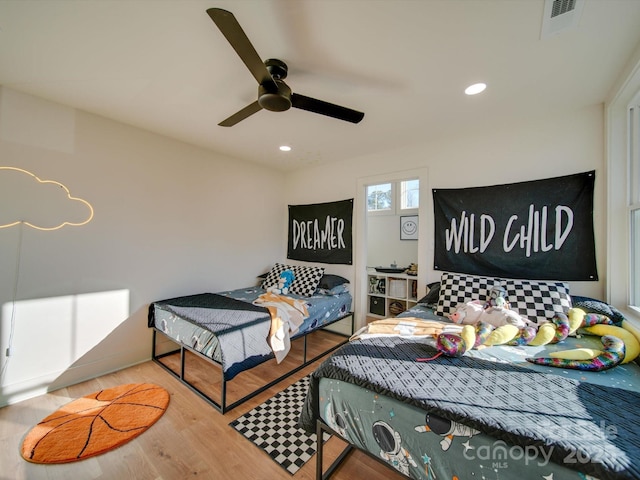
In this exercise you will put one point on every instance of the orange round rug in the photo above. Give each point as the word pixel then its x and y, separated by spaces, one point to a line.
pixel 95 423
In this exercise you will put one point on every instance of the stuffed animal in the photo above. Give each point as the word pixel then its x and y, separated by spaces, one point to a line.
pixel 475 311
pixel 284 282
pixel 467 313
pixel 620 344
pixel 497 297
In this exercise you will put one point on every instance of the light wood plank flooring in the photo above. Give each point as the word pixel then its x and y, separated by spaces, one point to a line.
pixel 191 440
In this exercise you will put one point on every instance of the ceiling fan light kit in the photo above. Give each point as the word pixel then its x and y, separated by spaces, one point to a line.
pixel 273 94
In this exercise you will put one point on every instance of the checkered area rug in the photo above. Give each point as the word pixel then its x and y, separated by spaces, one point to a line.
pixel 273 426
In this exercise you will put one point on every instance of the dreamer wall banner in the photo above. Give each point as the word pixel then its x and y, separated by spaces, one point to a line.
pixel 538 230
pixel 321 232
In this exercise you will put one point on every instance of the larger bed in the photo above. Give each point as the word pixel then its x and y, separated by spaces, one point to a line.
pixel 488 414
pixel 232 330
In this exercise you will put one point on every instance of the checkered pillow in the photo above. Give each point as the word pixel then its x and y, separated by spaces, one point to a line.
pixel 271 280
pixel 535 300
pixel 305 281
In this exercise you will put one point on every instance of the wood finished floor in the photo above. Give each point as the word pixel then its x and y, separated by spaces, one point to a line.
pixel 191 440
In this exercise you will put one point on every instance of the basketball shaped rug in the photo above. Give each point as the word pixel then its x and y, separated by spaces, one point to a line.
pixel 95 423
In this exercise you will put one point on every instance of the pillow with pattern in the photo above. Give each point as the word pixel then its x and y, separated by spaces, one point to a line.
pixel 591 305
pixel 305 281
pixel 536 300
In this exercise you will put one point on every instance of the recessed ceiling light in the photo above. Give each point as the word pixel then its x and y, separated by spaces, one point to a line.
pixel 285 148
pixel 475 88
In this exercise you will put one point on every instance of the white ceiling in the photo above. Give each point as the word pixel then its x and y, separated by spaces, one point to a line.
pixel 164 66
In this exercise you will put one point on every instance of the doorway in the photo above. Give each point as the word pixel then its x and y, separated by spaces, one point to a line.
pixel 378 236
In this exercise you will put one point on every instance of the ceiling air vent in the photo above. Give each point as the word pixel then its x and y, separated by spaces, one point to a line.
pixel 560 16
pixel 562 6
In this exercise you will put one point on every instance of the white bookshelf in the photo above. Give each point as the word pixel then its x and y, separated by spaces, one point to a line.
pixel 389 294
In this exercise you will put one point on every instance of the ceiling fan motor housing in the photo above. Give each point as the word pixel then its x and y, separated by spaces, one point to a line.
pixel 275 101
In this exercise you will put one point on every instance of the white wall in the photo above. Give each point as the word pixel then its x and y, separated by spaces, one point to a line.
pixel 170 219
pixel 562 145
pixel 384 244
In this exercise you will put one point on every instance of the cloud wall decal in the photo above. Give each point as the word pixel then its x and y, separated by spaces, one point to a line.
pixel 41 204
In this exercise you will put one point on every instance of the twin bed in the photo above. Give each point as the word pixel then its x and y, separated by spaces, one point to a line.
pixel 234 330
pixel 488 414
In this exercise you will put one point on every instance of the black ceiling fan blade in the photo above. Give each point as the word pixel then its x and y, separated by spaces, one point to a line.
pixel 325 108
pixel 241 115
pixel 236 37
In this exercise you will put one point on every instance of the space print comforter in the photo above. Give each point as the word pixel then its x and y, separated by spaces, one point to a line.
pixel 475 417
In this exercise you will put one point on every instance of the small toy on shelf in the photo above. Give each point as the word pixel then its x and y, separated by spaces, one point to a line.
pixel 412 269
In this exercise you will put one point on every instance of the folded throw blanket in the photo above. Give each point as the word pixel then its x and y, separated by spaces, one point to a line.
pixel 287 315
pixel 405 327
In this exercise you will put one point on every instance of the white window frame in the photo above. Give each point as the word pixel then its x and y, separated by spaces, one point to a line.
pixel 408 210
pixel 390 211
pixel 396 198
pixel 634 200
pixel 623 189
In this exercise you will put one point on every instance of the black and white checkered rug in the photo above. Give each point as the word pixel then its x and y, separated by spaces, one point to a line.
pixel 273 426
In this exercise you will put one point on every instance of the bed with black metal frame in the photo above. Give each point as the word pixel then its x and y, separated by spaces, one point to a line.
pixel 488 414
pixel 228 330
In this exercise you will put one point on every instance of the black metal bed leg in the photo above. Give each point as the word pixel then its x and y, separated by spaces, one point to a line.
pixel 319 445
pixel 182 360
pixel 320 429
pixel 304 358
pixel 222 406
pixel 223 395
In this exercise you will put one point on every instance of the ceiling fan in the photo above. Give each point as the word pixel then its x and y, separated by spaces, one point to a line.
pixel 273 94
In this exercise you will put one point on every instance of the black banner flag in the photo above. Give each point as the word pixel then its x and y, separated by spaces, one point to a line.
pixel 538 230
pixel 321 232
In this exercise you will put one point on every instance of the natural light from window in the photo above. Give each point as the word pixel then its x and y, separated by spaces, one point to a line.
pixel 393 197
pixel 44 337
pixel 379 197
pixel 634 201
pixel 410 194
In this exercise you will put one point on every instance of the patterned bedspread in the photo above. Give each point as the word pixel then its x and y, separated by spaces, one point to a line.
pixel 228 328
pixel 241 328
pixel 568 419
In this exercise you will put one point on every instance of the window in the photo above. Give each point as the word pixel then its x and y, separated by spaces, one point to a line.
pixel 634 201
pixel 410 194
pixel 623 194
pixel 635 257
pixel 381 198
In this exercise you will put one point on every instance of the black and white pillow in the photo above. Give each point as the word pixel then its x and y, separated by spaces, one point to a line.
pixel 535 300
pixel 305 281
pixel 271 279
pixel 456 289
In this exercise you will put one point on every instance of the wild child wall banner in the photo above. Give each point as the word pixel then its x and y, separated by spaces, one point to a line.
pixel 321 232
pixel 539 230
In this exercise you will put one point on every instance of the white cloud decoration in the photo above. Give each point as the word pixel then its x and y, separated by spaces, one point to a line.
pixel 41 204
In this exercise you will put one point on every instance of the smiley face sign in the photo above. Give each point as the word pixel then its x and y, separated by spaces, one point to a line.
pixel 409 228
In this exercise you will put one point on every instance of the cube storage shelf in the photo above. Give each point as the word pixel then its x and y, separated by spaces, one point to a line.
pixel 390 294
